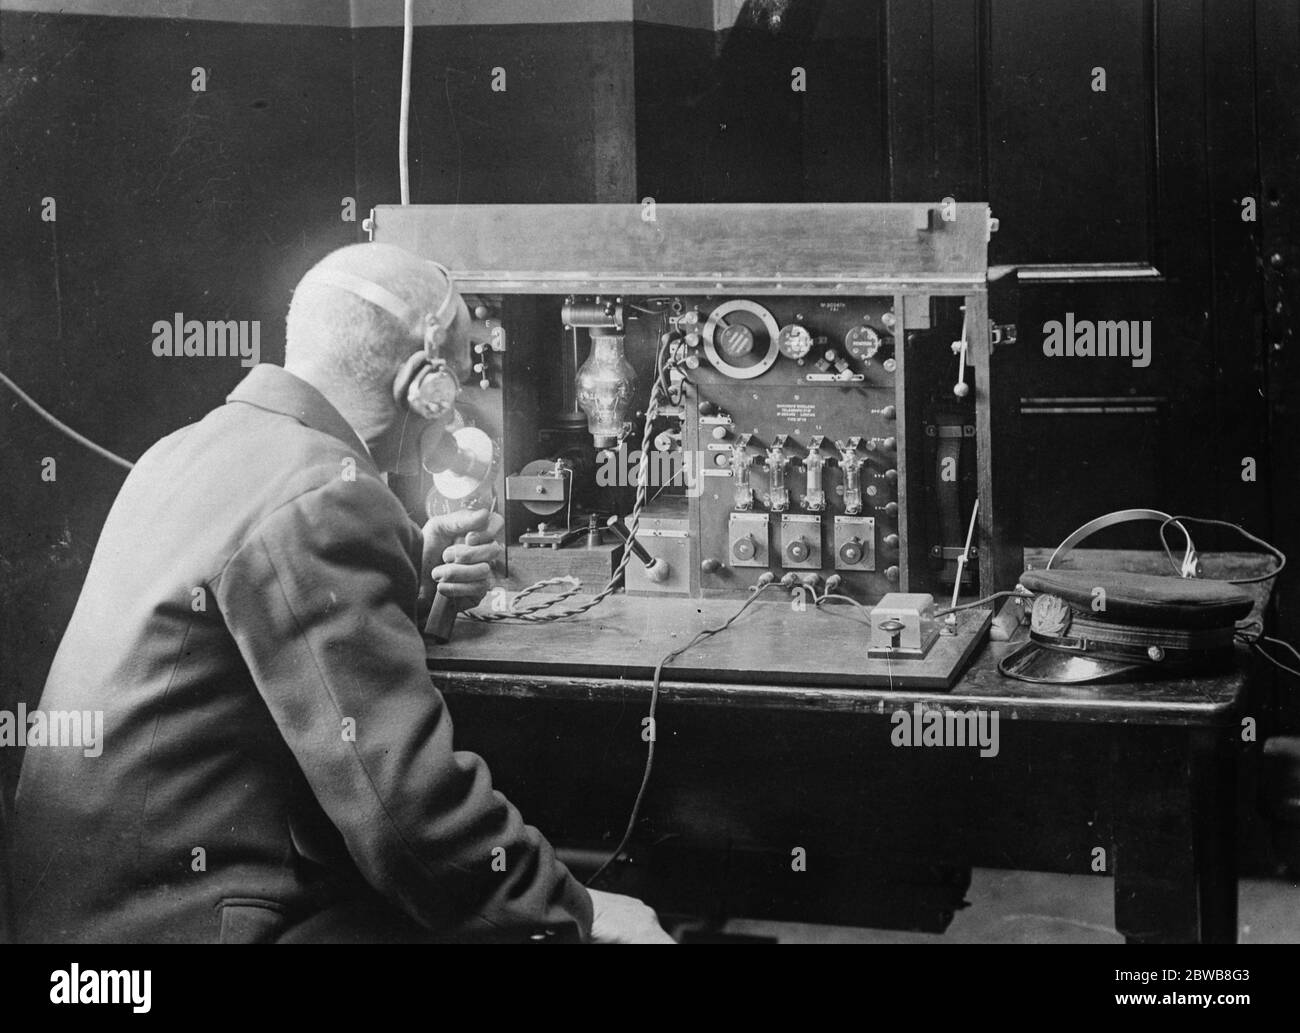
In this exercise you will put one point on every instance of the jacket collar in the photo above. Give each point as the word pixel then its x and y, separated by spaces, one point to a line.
pixel 275 389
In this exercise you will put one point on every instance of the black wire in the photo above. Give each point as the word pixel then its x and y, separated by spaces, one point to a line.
pixel 978 602
pixel 62 427
pixel 1276 663
pixel 654 703
pixel 1280 556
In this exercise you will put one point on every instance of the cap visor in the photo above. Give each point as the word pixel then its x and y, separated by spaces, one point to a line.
pixel 1031 662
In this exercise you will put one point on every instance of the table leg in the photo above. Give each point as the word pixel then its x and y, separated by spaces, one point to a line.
pixel 1173 851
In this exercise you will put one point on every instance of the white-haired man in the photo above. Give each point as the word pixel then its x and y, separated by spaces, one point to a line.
pixel 276 765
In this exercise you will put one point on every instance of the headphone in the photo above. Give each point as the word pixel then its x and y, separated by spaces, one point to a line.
pixel 425 385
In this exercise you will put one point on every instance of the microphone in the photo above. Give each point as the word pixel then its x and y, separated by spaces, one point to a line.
pixel 656 570
pixel 461 462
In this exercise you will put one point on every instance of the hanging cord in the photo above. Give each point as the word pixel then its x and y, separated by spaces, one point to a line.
pixel 63 428
pixel 404 124
pixel 701 636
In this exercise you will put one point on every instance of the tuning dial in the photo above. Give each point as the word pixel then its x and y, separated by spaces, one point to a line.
pixel 745 548
pixel 797 551
pixel 851 552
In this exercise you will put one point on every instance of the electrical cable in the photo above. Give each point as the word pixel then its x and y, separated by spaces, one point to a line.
pixel 404 124
pixel 979 602
pixel 62 427
pixel 701 636
pixel 1277 553
pixel 1276 663
pixel 543 610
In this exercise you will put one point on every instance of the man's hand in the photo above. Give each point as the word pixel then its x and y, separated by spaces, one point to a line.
pixel 620 919
pixel 462 570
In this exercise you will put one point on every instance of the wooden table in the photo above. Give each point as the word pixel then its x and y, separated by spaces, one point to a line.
pixel 1136 780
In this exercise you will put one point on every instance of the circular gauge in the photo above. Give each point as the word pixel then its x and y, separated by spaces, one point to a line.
pixel 794 341
pixel 740 339
pixel 736 341
pixel 862 343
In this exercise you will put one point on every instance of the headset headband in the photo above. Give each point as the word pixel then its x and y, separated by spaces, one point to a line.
pixel 427 328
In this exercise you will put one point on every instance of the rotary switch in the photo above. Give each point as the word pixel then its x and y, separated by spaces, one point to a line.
pixel 797 551
pixel 745 548
pixel 851 552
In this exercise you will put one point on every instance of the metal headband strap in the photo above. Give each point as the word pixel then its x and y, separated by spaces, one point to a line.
pixel 383 298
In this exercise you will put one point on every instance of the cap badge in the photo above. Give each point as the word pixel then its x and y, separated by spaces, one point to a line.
pixel 1050 616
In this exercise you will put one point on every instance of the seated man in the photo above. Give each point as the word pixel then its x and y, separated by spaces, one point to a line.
pixel 276 764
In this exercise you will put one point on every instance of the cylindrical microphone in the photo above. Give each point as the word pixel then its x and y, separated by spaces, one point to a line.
pixel 461 463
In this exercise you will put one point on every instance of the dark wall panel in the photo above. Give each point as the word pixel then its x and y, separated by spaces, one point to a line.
pixel 560 132
pixel 211 204
pixel 1071 168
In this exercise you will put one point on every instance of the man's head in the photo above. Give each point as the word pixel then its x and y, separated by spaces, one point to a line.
pixel 351 349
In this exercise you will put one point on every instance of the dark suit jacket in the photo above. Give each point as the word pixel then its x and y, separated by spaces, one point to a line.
pixel 272 742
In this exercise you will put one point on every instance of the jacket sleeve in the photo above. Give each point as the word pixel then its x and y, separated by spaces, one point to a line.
pixel 319 598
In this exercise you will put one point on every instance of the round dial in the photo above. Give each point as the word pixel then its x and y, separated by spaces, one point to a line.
pixel 794 341
pixel 862 343
pixel 736 341
pixel 740 339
